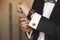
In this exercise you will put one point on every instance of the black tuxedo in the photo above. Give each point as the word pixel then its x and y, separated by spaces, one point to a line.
pixel 51 26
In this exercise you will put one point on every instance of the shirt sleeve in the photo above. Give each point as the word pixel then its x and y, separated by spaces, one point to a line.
pixel 35 20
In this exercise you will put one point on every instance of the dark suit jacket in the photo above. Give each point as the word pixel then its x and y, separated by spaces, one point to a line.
pixel 51 26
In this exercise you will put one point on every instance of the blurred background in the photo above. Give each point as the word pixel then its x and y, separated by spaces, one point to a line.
pixel 9 29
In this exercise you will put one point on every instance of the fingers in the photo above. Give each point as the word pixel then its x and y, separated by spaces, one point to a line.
pixel 24 19
pixel 24 25
pixel 27 30
pixel 24 22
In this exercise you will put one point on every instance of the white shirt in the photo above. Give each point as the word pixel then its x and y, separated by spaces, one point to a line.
pixel 48 7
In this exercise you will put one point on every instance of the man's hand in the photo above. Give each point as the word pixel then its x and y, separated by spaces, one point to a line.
pixel 24 25
pixel 23 7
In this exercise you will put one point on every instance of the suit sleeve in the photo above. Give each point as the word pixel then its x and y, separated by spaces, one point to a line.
pixel 45 25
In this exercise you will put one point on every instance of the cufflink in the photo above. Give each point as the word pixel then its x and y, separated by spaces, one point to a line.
pixel 33 24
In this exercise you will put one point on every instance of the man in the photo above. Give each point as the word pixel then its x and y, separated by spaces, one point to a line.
pixel 44 19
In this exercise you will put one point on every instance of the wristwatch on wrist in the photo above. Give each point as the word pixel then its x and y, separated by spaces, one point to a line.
pixel 30 13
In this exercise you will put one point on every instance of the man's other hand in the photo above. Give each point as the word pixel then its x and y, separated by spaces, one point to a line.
pixel 24 25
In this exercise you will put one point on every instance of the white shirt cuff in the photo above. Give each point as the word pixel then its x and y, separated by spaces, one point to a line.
pixel 29 35
pixel 47 10
pixel 35 20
